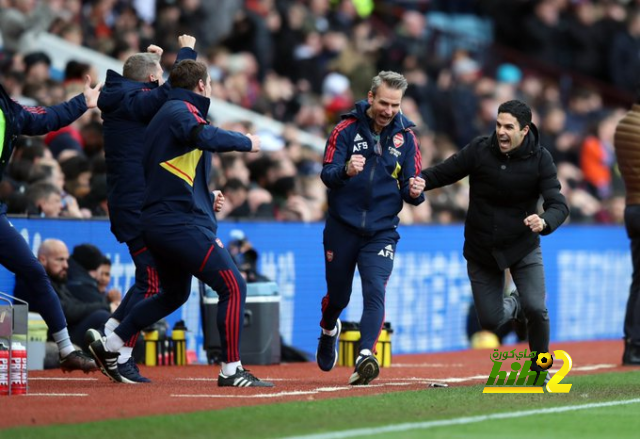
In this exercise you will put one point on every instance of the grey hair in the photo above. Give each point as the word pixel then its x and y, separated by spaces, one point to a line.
pixel 138 67
pixel 393 80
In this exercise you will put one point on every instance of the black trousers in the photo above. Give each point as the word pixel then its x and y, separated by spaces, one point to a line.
pixel 632 317
pixel 487 286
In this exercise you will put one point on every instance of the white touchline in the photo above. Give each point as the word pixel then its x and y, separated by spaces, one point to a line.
pixel 57 394
pixel 458 421
pixel 61 379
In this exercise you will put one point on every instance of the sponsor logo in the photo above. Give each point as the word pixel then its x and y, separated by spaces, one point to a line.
pixel 358 138
pixel 520 378
pixel 394 152
pixel 329 255
pixel 360 145
pixel 220 244
pixel 387 252
pixel 398 140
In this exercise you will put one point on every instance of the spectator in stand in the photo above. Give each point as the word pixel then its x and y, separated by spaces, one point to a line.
pixel 84 276
pixel 80 314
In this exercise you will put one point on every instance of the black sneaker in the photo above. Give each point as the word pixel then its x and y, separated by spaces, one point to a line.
pixel 78 360
pixel 367 370
pixel 242 378
pixel 631 355
pixel 91 335
pixel 107 361
pixel 327 352
pixel 520 322
pixel 129 371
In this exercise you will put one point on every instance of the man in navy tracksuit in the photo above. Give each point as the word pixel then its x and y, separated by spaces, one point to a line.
pixel 15 254
pixel 371 165
pixel 128 102
pixel 179 223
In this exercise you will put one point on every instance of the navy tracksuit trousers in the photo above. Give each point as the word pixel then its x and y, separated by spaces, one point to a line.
pixel 18 258
pixel 345 249
pixel 181 252
pixel 146 282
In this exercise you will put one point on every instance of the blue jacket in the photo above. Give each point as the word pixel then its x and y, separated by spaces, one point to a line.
pixel 127 107
pixel 370 201
pixel 32 121
pixel 177 162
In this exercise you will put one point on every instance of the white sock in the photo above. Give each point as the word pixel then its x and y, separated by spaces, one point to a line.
pixel 63 341
pixel 125 354
pixel 331 333
pixel 113 343
pixel 229 369
pixel 110 326
pixel 365 353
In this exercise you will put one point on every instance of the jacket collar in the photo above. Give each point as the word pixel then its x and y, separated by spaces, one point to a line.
pixel 200 102
pixel 530 144
pixel 115 78
pixel 399 123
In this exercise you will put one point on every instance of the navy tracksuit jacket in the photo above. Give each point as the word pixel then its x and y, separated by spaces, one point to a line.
pixel 363 213
pixel 15 254
pixel 179 223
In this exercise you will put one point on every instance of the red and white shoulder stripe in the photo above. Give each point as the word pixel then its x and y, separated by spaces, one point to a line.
pixel 193 110
pixel 331 146
pixel 417 156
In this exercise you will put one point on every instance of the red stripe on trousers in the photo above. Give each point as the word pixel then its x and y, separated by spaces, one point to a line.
pixel 139 252
pixel 232 319
pixel 206 258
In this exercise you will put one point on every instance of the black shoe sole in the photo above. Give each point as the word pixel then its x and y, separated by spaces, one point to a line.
pixel 366 372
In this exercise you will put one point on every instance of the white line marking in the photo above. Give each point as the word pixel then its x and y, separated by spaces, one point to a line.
pixel 57 394
pixel 458 421
pixel 61 379
pixel 432 365
pixel 390 382
pixel 595 367
pixel 216 379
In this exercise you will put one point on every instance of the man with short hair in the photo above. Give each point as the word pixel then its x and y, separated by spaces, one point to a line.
pixel 508 172
pixel 370 161
pixel 81 313
pixel 15 254
pixel 179 224
pixel 128 103
pixel 44 199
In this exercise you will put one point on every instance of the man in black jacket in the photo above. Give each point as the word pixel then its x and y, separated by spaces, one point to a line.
pixel 508 173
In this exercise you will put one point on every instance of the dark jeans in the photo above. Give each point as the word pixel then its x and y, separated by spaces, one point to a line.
pixel 632 318
pixel 494 310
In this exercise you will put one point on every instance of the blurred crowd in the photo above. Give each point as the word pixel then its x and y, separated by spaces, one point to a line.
pixel 304 62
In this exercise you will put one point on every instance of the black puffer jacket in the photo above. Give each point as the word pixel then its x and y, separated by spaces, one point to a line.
pixel 504 190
